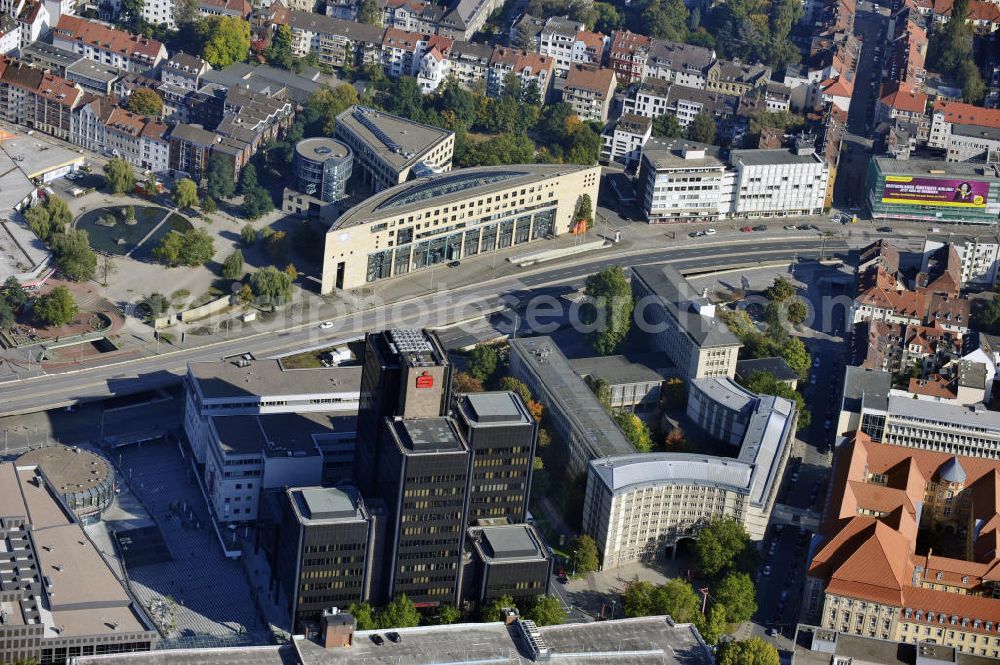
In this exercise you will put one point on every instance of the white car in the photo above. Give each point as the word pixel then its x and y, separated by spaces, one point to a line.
pixel 710 232
pixel 816 361
pixel 326 325
pixel 767 571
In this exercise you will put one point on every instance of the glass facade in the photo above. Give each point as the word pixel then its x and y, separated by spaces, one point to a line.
pixel 487 237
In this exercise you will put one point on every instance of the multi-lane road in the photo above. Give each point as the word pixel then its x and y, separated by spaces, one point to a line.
pixel 433 310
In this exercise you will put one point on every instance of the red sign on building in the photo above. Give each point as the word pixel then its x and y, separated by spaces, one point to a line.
pixel 425 380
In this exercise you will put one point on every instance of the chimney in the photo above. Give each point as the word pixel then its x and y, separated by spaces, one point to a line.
pixel 336 628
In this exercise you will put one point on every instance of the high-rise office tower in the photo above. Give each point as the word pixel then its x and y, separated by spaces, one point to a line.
pixel 502 435
pixel 423 478
pixel 406 374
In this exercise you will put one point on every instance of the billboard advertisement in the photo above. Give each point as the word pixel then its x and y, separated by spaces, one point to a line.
pixel 952 192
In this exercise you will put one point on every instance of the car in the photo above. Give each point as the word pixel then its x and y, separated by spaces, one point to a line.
pixel 746 229
pixel 790 227
pixel 394 637
pixel 563 579
pixel 326 325
pixel 812 380
pixel 710 232
pixel 767 571
pixel 774 632
pixel 760 227
pixel 454 264
pixel 827 424
pixel 696 234
pixel 816 361
pixel 377 639
pixel 885 229
pixel 795 477
pixel 935 229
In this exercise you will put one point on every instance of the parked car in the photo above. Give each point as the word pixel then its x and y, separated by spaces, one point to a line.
pixel 326 325
pixel 885 229
pixel 394 637
pixel 377 639
pixel 710 232
pixel 790 227
pixel 767 571
pixel 760 227
pixel 746 229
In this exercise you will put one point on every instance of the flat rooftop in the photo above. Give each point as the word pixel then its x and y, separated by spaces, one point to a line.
pixel 274 434
pixel 284 654
pixel 673 157
pixel 934 168
pixel 508 542
pixel 326 504
pixel 397 141
pixel 94 71
pixel 424 436
pixel 575 400
pixel 866 388
pixel 35 156
pixel 48 54
pixel 320 149
pixel 858 649
pixel 621 369
pixel 69 469
pixel 680 299
pixel 773 157
pixel 777 367
pixel 494 408
pixel 268 378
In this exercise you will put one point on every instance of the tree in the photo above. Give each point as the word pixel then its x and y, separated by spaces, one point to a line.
pixel 634 430
pixel 794 352
pixel 987 318
pixel 74 257
pixel 796 311
pixel 585 556
pixel 56 308
pixel 973 86
pixel 185 193
pixel 50 218
pixel 228 40
pixel 131 14
pixel 13 293
pixel 279 51
pixel 319 114
pixel 702 128
pixel 585 210
pixel 106 267
pixel 666 126
pixel 483 362
pixel 248 179
pixel 363 615
pixel 400 613
pixel 547 611
pixel 277 246
pixel 737 594
pixel 257 203
pixel 714 625
pixel 59 213
pixel 292 272
pixel 208 204
pixel 219 177
pixel 37 218
pixel 271 284
pixel 517 386
pixel 672 393
pixel 151 186
pixel 248 235
pixel 666 19
pixel 720 544
pixel 232 267
pixel 754 651
pixel 765 383
pixel 462 382
pixel 493 610
pixel 370 12
pixel 6 315
pixel 637 600
pixel 609 315
pixel 676 598
pixel 119 176
pixel 446 614
pixel 145 101
pixel 608 18
pixel 781 290
pixel 192 248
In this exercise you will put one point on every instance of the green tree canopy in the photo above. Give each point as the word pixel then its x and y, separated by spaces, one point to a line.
pixel 782 289
pixel 585 210
pixel 219 177
pixel 493 610
pixel 232 267
pixel 363 614
pixel 518 386
pixel 59 213
pixel 736 592
pixel 446 614
pixel 193 247
pixel 585 555
pixel 609 316
pixel 279 51
pixel 666 126
pixel 637 600
pixel 608 19
pixel 636 431
pixel 248 234
pixel 119 176
pixel 547 611
pixel 13 293
pixel 226 39
pixel 74 257
pixel 319 115
pixel 677 598
pixel 483 362
pixel 702 128
pixel 720 545
pixel 713 625
pixel 248 179
pixel 271 284
pixel 185 193
pixel 754 651
pixel 370 12
pixel 145 101
pixel 257 203
pixel 400 613
pixel 765 383
pixel 56 308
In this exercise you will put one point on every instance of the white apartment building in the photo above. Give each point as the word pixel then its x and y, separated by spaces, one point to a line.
pixel 684 182
pixel 636 506
pixel 625 138
pixel 648 100
pixel 570 43
pixel 159 12
pixel 978 258
pixel 682 64
pixel 972 142
pixel 775 183
pixel 98 42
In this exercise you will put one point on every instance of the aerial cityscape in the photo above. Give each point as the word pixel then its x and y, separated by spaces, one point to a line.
pixel 466 332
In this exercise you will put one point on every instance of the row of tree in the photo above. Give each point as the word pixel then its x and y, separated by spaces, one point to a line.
pixel 950 51
pixel 401 613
